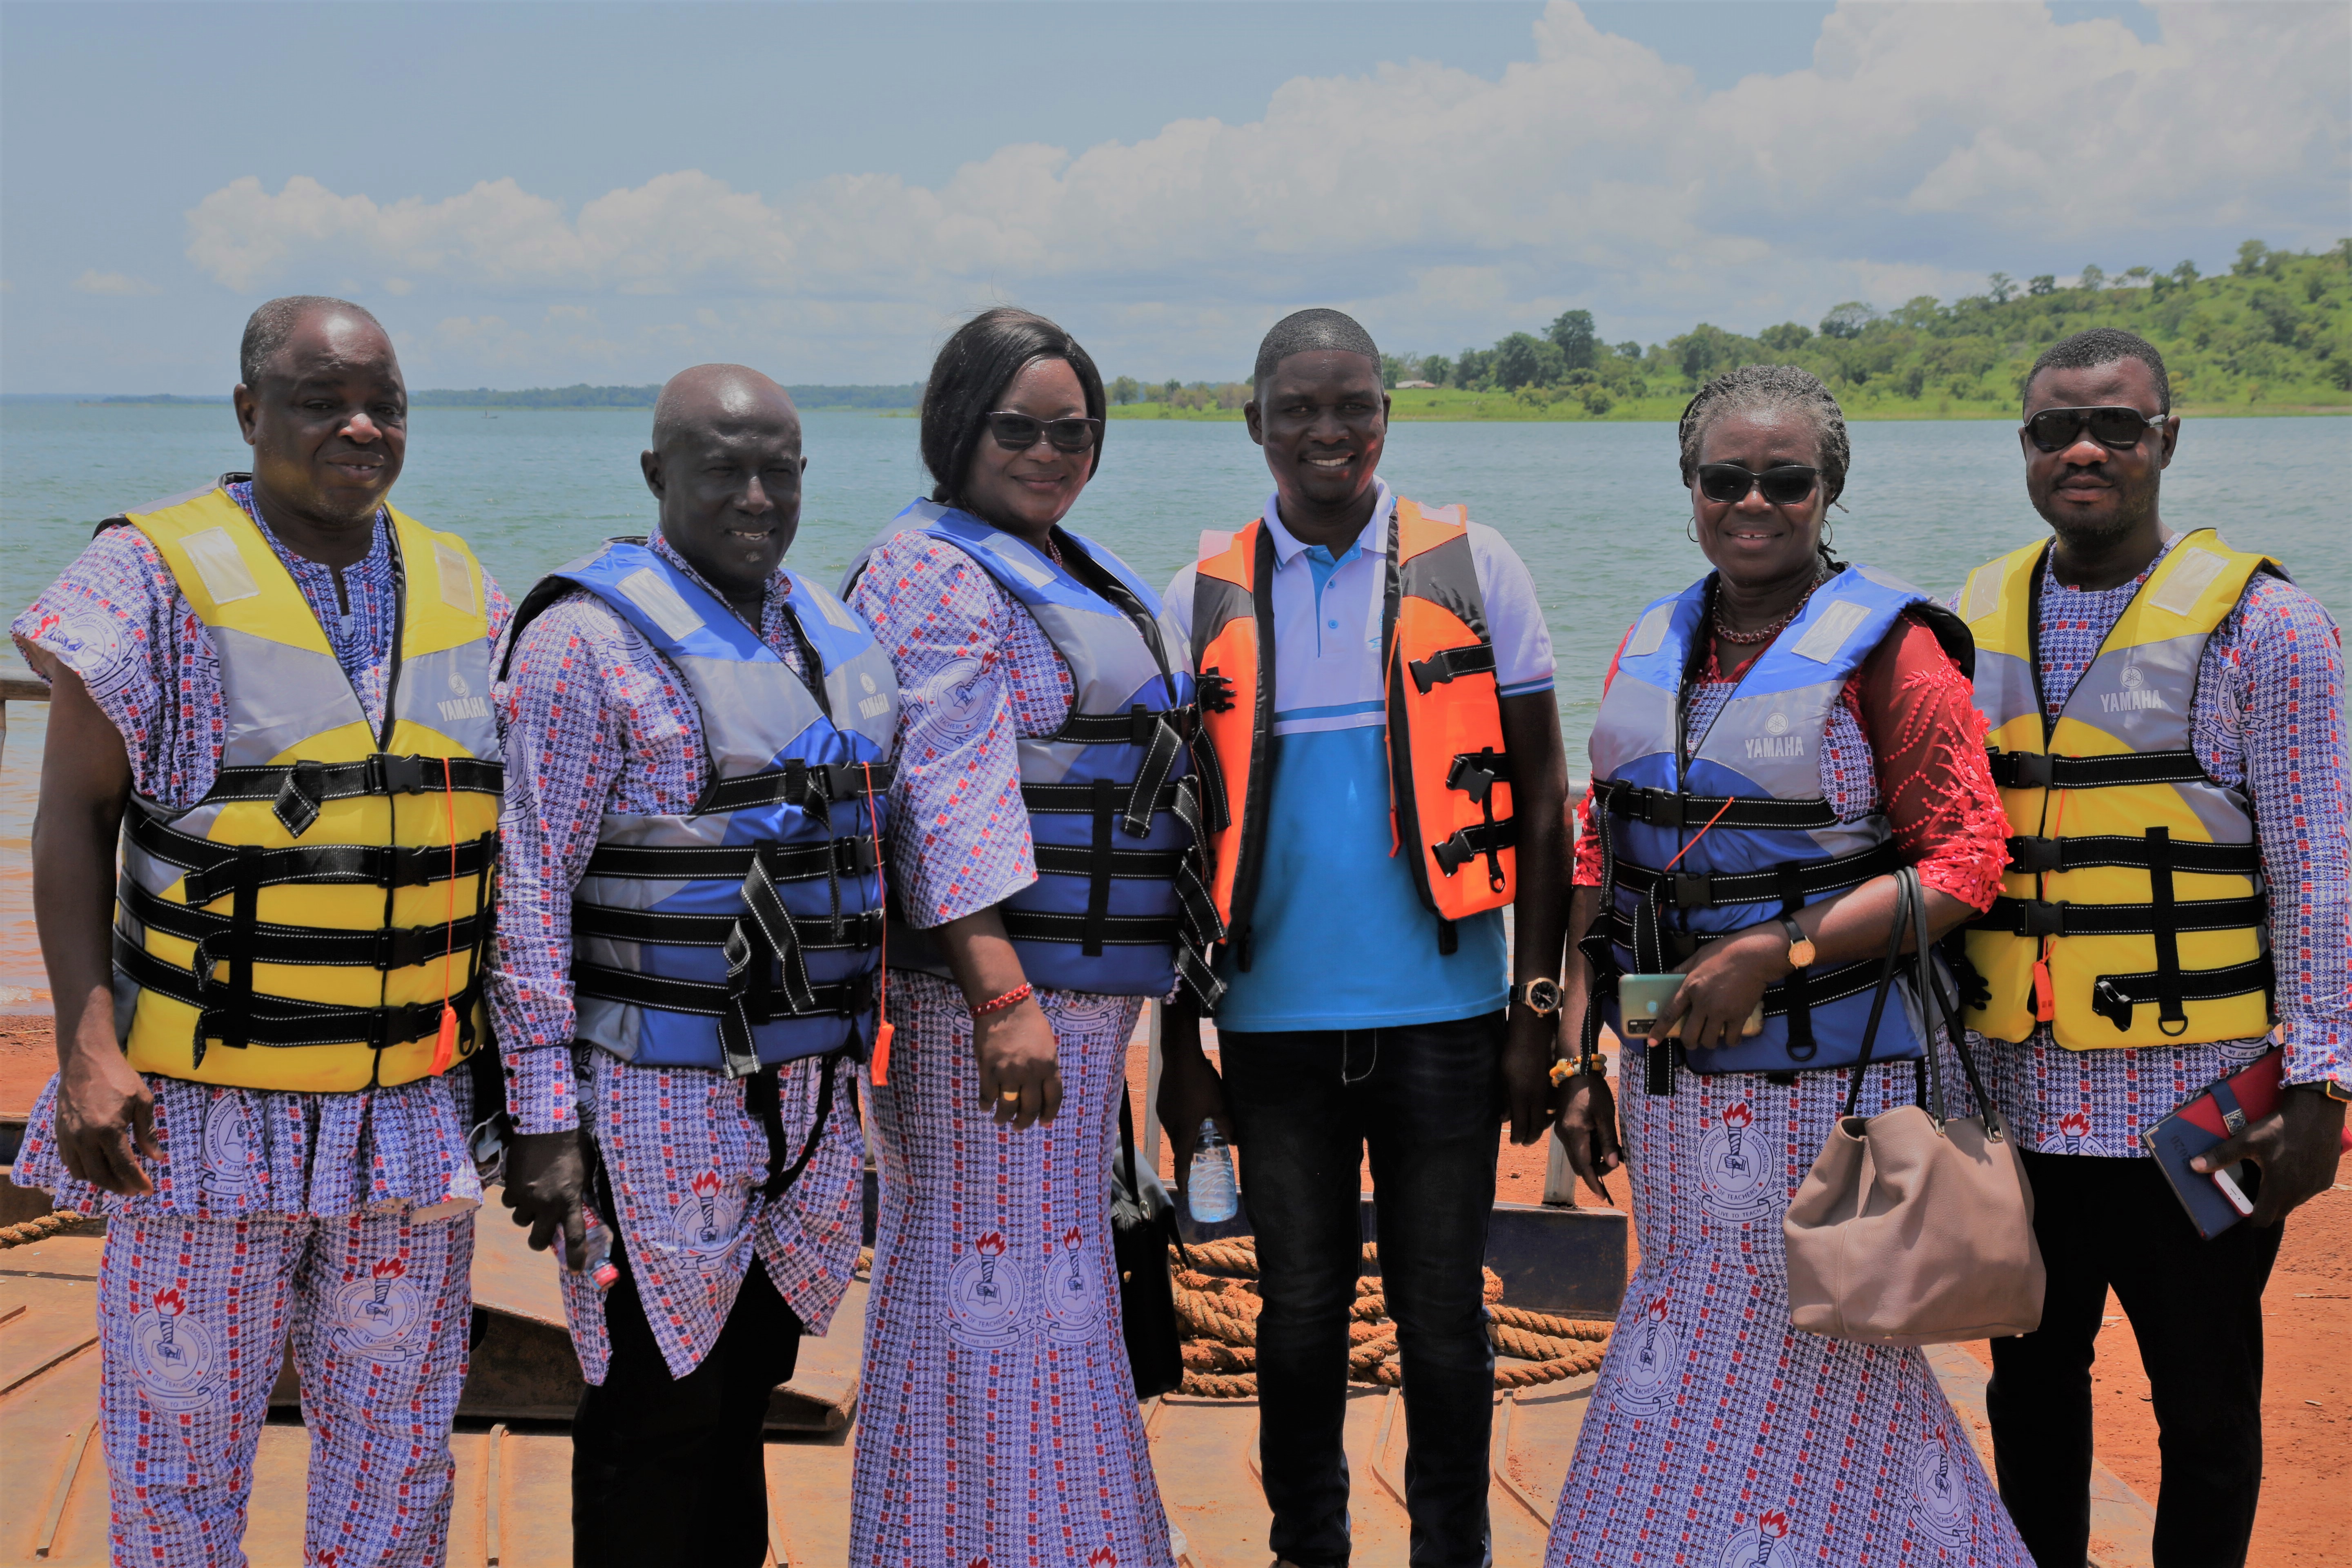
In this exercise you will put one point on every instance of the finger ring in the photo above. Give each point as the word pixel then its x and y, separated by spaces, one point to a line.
pixel 1010 1096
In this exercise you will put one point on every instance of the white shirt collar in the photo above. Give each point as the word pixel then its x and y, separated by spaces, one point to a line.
pixel 1288 546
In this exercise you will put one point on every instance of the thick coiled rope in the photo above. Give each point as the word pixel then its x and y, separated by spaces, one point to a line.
pixel 41 1229
pixel 1217 1309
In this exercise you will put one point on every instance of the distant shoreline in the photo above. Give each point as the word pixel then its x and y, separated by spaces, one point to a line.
pixel 1442 406
pixel 1447 404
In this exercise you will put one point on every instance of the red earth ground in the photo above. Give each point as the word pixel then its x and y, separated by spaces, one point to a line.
pixel 2306 1507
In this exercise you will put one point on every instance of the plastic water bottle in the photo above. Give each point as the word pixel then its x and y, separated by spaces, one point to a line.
pixel 595 1251
pixel 1209 1187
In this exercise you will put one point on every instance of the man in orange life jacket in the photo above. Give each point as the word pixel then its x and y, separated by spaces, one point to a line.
pixel 1388 774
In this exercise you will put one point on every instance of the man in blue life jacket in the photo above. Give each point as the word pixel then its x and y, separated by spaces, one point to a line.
pixel 1377 689
pixel 2167 721
pixel 687 944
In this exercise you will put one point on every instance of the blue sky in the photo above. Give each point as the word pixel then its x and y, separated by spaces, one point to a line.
pixel 530 194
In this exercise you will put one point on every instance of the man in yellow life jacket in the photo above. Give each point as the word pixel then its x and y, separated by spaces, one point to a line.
pixel 1383 775
pixel 2167 724
pixel 268 695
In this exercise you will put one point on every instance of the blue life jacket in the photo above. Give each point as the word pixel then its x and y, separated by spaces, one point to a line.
pixel 1744 811
pixel 1119 906
pixel 742 932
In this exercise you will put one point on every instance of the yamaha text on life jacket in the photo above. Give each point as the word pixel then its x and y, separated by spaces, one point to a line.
pixel 311 922
pixel 743 932
pixel 1449 775
pixel 1119 906
pixel 1700 841
pixel 2132 910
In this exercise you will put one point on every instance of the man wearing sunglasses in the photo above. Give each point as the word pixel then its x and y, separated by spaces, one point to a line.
pixel 2167 726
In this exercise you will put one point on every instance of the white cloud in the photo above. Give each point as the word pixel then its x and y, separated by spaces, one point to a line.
pixel 96 282
pixel 1591 170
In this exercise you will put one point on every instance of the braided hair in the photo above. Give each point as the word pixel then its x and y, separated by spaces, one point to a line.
pixel 1773 389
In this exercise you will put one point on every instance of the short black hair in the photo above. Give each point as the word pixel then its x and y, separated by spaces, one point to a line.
pixel 1312 332
pixel 2102 345
pixel 267 329
pixel 972 371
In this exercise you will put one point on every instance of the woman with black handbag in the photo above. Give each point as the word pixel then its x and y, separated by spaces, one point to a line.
pixel 1789 789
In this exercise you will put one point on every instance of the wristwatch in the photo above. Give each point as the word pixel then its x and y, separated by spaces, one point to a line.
pixel 1800 946
pixel 1540 996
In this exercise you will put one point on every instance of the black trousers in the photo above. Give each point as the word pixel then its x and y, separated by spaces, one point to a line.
pixel 1426 1099
pixel 2196 1307
pixel 668 1472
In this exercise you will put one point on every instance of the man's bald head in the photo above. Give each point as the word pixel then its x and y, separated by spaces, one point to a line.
pixel 726 465
pixel 708 397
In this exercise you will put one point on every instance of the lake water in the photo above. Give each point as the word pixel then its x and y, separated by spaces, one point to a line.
pixel 1596 510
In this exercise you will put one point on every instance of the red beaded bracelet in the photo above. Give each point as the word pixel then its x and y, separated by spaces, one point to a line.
pixel 1013 998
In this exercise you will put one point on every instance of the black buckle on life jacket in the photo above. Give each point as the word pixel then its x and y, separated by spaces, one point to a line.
pixel 1451 664
pixel 854 856
pixel 2022 770
pixel 1690 889
pixel 1475 773
pixel 2041 917
pixel 1216 691
pixel 2036 855
pixel 2108 1002
pixel 401 775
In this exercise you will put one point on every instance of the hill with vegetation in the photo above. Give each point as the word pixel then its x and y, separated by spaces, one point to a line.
pixel 2271 335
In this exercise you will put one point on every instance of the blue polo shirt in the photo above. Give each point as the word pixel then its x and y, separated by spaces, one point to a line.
pixel 1340 938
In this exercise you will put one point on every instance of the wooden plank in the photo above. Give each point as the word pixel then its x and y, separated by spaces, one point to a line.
pixel 75 1450
pixel 23 689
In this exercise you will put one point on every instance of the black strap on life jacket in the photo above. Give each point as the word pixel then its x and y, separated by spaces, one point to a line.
pixel 1450 664
pixel 763 1097
pixel 213 870
pixel 1678 809
pixel 2040 917
pixel 275 1021
pixel 298 790
pixel 2037 770
pixel 2040 855
pixel 809 785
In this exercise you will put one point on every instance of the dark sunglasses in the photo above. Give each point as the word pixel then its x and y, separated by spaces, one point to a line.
pixel 2055 429
pixel 1782 486
pixel 1019 432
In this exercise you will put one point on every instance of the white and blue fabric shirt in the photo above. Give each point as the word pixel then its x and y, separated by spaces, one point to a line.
pixel 1341 937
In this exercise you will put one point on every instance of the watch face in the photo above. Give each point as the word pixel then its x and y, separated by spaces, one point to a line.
pixel 1541 995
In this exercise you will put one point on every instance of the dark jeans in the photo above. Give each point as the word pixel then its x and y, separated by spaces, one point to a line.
pixel 1428 1099
pixel 669 1472
pixel 2196 1307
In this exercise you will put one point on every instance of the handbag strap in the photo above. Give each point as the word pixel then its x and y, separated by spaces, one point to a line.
pixel 1931 1074
pixel 1948 1006
pixel 1906 882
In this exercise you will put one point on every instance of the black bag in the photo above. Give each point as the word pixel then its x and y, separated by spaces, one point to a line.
pixel 1142 1225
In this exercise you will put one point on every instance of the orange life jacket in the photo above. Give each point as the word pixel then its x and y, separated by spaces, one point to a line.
pixel 1449 775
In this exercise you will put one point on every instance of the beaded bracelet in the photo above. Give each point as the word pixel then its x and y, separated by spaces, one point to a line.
pixel 1013 998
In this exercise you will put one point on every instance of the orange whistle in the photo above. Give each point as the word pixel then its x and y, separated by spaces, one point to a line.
pixel 2046 996
pixel 882 1052
pixel 445 1045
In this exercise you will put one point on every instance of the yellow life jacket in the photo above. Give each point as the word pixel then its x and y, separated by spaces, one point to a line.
pixel 307 923
pixel 2132 912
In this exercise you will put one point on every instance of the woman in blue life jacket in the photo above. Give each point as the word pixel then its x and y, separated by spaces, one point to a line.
pixel 1774 743
pixel 1043 885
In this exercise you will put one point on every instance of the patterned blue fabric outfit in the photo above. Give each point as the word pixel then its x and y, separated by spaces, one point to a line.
pixel 343 1220
pixel 2269 720
pixel 1717 1435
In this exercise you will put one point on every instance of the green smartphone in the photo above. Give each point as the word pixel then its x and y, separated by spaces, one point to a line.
pixel 1643 998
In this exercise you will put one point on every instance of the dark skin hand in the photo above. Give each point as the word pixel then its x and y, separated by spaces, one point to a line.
pixel 2101 502
pixel 2297 1147
pixel 1322 421
pixel 1024 493
pixel 326 420
pixel 725 469
pixel 1587 1126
